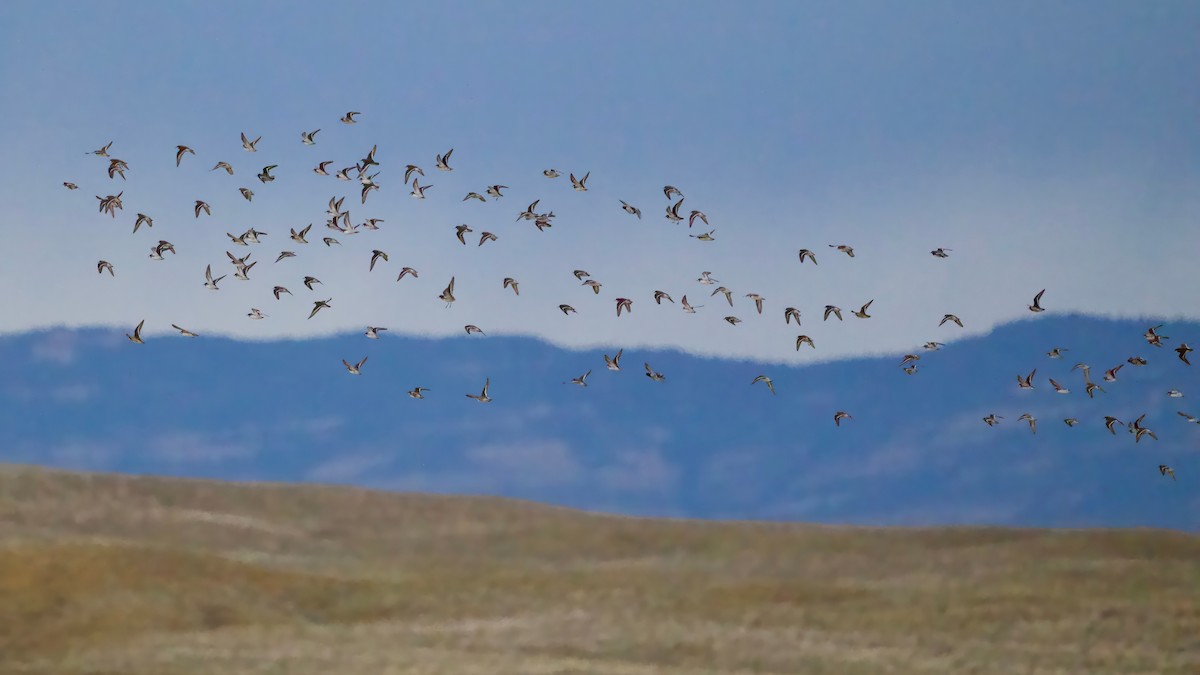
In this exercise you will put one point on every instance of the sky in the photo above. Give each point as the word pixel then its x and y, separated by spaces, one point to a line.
pixel 1044 145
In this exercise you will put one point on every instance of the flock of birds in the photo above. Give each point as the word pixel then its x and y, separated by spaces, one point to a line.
pixel 364 173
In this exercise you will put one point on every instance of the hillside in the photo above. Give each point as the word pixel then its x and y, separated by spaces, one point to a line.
pixel 118 574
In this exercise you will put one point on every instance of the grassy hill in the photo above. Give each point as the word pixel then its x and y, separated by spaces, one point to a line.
pixel 119 574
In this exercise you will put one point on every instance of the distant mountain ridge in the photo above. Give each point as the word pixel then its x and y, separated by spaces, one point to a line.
pixel 703 443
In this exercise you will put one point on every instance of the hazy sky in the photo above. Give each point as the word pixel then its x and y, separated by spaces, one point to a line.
pixel 1048 144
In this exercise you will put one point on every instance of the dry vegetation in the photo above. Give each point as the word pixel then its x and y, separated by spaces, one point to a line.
pixel 110 574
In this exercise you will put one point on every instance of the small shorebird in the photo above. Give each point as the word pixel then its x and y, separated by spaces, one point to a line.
pixel 248 145
pixel 841 415
pixel 1037 300
pixel 373 332
pixel 613 363
pixel 805 253
pixel 765 380
pixel 442 162
pixel 447 295
pixel 354 369
pixel 415 392
pixel 184 332
pixel 137 333
pixel 483 397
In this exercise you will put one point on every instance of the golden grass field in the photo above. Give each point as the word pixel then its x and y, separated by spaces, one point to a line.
pixel 107 574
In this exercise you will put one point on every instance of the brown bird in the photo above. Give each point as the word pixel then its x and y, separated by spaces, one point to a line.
pixel 407 271
pixel 805 253
pixel 626 303
pixel 460 230
pixel 659 296
pixel 1182 350
pixel 472 328
pixel 791 313
pixel 758 301
pixel 202 206
pixel 509 281
pixel 836 311
pixel 447 295
pixel 1027 381
pixel 862 313
pixel 804 339
pixel 137 333
pixel 951 317
pixel 180 150
pixel 486 236
pixel 841 415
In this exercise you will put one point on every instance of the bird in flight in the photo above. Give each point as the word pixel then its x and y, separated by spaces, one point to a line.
pixel 415 392
pixel 442 162
pixel 1182 350
pixel 1026 417
pixel 613 363
pixel 180 151
pixel 1037 300
pixel 650 373
pixel 841 415
pixel 318 306
pixel 447 295
pixel 136 338
pixel 373 332
pixel 354 369
pixel 765 380
pixel 248 145
pixel 1165 470
pixel 184 332
pixel 581 380
pixel 483 397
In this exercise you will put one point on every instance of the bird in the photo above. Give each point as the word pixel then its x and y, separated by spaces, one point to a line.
pixel 472 328
pixel 266 176
pixel 279 290
pixel 256 314
pixel 579 184
pixel 650 373
pixel 933 346
pixel 486 236
pixel 376 254
pixel 1092 387
pixel 669 190
pixel 765 380
pixel 1189 418
pixel 1110 423
pixel 625 303
pixel 184 332
pixel 509 281
pixel 1174 393
pixel 318 306
pixel 593 284
pixel 285 254
pixel 843 248
pixel 209 282
pixel 308 137
pixel 442 161
pixel 631 210
pixel 180 151
pixel 1027 381
pixel 373 332
pixel 1058 388
pixel 758 301
pixel 1110 375
pixel 70 186
pixel 941 252
pixel 355 369
pixel 551 173
pixel 581 380
pixel 733 320
pixel 483 397
pixel 137 333
pixel 692 217
pixel 707 236
pixel 1136 361
pixel 951 317
pixel 841 415
pixel 247 193
pixel 474 195
pixel 659 296
pixel 299 236
pixel 1182 350
pixel 410 170
pixel 418 191
pixel 105 265
pixel 673 211
pixel 349 118
pixel 405 271
pixel 460 230
pixel 447 295
pixel 567 309
pixel 1056 353
pixel 202 206
pixel 415 392
pixel 1026 417
pixel 686 306
pixel 613 363
pixel 309 281
pixel 909 358
pixel 142 219
pixel 248 145
pixel 836 311
pixel 791 313
pixel 993 419
pixel 862 313
pixel 1070 421
pixel 494 190
pixel 1165 470
pixel 728 294
pixel 224 165
pixel 320 169
pixel 1152 336
pixel 102 152
pixel 706 278
pixel 1037 299
pixel 805 253
pixel 804 340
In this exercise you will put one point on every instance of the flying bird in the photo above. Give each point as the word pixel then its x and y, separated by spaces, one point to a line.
pixel 184 332
pixel 791 313
pixel 180 151
pixel 447 295
pixel 862 313
pixel 354 369
pixel 941 252
pixel 483 397
pixel 631 210
pixel 765 380
pixel 472 328
pixel 373 332
pixel 1182 350
pixel 951 317
pixel 836 311
pixel 137 333
pixel 202 206
pixel 442 161
pixel 805 253
pixel 626 303
pixel 509 281
pixel 1037 299
pixel 843 248
pixel 804 340
pixel 841 415
pixel 226 166
pixel 659 296
pixel 650 373
pixel 318 306
pixel 613 363
pixel 349 118
pixel 1165 470
pixel 105 265
pixel 1027 381
pixel 308 137
pixel 579 184
pixel 415 392
pixel 581 380
pixel 993 419
pixel 376 254
pixel 1026 417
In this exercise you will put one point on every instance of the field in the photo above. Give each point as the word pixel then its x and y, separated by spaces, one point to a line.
pixel 106 574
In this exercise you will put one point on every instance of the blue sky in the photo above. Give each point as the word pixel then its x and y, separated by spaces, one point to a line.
pixel 1048 145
